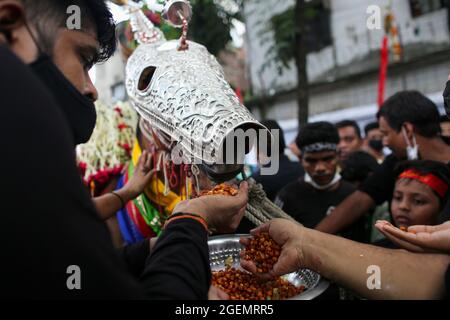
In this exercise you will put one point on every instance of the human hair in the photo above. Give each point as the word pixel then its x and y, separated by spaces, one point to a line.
pixel 444 118
pixel 349 123
pixel 412 107
pixel 47 16
pixel 358 167
pixel 273 125
pixel 424 167
pixel 371 126
pixel 317 132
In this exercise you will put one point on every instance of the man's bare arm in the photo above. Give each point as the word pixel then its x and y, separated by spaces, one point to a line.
pixel 352 208
pixel 372 272
pixel 403 275
pixel 108 204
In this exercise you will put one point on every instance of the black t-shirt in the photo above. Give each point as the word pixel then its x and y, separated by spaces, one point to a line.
pixel 380 185
pixel 445 214
pixel 49 222
pixel 288 171
pixel 309 205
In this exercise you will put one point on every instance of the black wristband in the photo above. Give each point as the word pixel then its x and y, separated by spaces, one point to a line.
pixel 120 198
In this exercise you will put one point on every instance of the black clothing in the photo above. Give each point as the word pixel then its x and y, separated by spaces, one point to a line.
pixel 309 205
pixel 288 171
pixel 134 256
pixel 445 214
pixel 178 267
pixel 380 185
pixel 50 223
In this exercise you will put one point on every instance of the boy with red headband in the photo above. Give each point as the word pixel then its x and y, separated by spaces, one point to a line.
pixel 421 190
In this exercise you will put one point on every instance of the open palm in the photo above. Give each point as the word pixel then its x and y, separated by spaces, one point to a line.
pixel 418 238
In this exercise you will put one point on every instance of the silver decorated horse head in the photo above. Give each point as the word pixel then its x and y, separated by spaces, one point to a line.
pixel 182 94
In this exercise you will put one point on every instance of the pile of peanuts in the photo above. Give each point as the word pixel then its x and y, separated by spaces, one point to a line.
pixel 263 251
pixel 405 229
pixel 241 285
pixel 221 189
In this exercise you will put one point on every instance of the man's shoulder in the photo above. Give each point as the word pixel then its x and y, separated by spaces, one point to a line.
pixel 294 186
pixel 345 188
pixel 390 161
pixel 384 171
pixel 345 185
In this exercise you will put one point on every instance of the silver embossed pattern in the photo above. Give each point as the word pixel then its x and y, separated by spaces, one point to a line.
pixel 187 98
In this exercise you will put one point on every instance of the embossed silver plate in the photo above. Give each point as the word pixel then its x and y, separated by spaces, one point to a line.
pixel 223 247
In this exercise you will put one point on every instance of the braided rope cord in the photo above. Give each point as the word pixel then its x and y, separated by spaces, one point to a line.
pixel 260 209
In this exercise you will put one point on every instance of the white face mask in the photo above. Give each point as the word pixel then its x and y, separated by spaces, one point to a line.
pixel 387 151
pixel 412 150
pixel 310 181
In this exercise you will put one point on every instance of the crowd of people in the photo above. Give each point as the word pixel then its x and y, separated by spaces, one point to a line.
pixel 352 189
pixel 341 182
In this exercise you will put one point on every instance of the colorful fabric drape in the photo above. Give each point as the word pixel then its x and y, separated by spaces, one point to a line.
pixel 144 216
pixel 128 228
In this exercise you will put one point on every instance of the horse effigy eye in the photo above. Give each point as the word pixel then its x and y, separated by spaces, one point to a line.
pixel 146 78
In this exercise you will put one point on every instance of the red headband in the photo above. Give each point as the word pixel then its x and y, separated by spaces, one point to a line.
pixel 435 183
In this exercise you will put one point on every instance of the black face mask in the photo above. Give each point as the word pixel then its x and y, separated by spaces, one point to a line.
pixel 446 96
pixel 7 34
pixel 78 109
pixel 376 145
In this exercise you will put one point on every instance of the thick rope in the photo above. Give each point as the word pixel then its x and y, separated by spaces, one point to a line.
pixel 260 209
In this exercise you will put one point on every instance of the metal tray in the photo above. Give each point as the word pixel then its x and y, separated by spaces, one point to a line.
pixel 222 247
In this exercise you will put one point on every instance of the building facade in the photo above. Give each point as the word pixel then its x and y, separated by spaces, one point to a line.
pixel 344 73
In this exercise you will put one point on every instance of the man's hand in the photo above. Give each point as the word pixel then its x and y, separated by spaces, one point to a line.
pixel 141 177
pixel 217 294
pixel 290 236
pixel 418 238
pixel 222 213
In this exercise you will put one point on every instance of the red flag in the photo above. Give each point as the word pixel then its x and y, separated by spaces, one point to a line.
pixel 383 70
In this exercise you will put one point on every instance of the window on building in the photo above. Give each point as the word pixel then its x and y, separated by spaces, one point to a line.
pixel 421 7
pixel 318 27
pixel 317 30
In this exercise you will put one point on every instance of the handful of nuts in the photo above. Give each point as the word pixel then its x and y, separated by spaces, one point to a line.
pixel 263 251
pixel 221 189
pixel 242 285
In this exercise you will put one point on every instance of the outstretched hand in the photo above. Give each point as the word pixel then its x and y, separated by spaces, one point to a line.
pixel 142 175
pixel 418 238
pixel 287 234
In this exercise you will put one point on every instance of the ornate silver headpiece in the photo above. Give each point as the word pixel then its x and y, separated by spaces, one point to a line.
pixel 179 88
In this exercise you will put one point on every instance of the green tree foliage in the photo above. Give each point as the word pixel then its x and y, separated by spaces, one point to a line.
pixel 210 25
pixel 283 25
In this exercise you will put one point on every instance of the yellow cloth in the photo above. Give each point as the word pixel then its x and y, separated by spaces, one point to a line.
pixel 155 190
